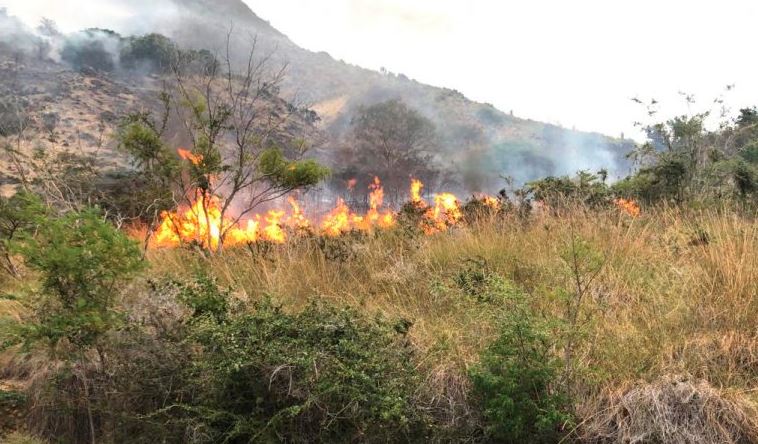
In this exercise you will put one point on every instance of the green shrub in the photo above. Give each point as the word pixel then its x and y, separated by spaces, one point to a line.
pixel 152 51
pixel 81 259
pixel 324 375
pixel 19 215
pixel 515 380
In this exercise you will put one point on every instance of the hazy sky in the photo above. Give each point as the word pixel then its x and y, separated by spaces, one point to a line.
pixel 575 62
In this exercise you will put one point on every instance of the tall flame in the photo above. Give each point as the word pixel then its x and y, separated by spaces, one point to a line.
pixel 416 187
pixel 202 222
pixel 196 159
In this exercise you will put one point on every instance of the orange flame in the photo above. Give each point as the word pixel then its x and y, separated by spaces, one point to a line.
pixel 628 206
pixel 189 155
pixel 416 187
pixel 202 221
pixel 298 220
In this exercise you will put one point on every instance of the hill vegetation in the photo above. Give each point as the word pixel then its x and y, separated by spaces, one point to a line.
pixel 153 288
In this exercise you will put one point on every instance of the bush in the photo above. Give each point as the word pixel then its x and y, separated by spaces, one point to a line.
pixel 81 259
pixel 153 52
pixel 515 380
pixel 19 215
pixel 324 375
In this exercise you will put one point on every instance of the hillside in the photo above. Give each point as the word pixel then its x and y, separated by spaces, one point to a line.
pixel 478 143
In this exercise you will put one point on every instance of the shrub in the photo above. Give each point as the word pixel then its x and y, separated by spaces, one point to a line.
pixel 81 259
pixel 152 51
pixel 326 374
pixel 515 380
pixel 19 215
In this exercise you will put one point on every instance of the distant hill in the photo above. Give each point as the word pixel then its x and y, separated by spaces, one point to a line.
pixel 478 143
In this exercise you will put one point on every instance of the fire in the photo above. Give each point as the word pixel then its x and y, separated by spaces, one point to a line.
pixel 491 202
pixel 200 223
pixel 189 155
pixel 273 231
pixel 337 221
pixel 416 187
pixel 297 220
pixel 203 223
pixel 628 206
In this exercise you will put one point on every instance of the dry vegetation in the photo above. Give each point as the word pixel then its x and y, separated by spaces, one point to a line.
pixel 675 295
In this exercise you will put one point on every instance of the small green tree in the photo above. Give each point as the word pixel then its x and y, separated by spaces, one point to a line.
pixel 19 216
pixel 516 378
pixel 82 260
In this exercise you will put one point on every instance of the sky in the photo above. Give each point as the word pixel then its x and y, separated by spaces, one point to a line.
pixel 576 63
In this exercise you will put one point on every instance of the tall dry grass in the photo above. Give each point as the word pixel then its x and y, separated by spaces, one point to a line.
pixel 676 292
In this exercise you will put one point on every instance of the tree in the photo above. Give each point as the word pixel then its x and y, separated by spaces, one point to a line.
pixel 82 259
pixel 394 142
pixel 152 51
pixel 240 152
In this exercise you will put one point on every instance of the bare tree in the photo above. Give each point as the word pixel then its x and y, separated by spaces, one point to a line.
pixel 241 153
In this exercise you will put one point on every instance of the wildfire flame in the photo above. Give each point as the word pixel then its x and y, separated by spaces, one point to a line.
pixel 189 155
pixel 628 206
pixel 416 187
pixel 202 221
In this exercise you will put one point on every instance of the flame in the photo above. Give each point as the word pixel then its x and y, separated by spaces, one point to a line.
pixel 416 187
pixel 202 222
pixel 337 221
pixel 628 206
pixel 273 231
pixel 297 220
pixel 491 202
pixel 189 155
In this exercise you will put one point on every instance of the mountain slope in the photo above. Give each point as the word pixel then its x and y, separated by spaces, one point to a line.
pixel 480 141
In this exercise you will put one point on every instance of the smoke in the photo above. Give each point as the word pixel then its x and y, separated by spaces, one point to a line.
pixel 478 144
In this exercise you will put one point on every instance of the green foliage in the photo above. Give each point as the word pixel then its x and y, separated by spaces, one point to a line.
pixel 323 375
pixel 151 51
pixel 81 260
pixel 663 181
pixel 586 188
pixel 19 216
pixel 516 379
pixel 205 298
pixel 290 174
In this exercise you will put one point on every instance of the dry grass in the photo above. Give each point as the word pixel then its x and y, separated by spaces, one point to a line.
pixel 672 283
pixel 676 294
pixel 672 409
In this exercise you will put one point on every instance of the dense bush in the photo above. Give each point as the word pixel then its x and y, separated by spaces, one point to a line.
pixel 152 52
pixel 516 380
pixel 19 216
pixel 323 375
pixel 81 259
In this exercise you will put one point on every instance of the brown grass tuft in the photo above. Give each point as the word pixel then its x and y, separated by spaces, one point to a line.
pixel 672 409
